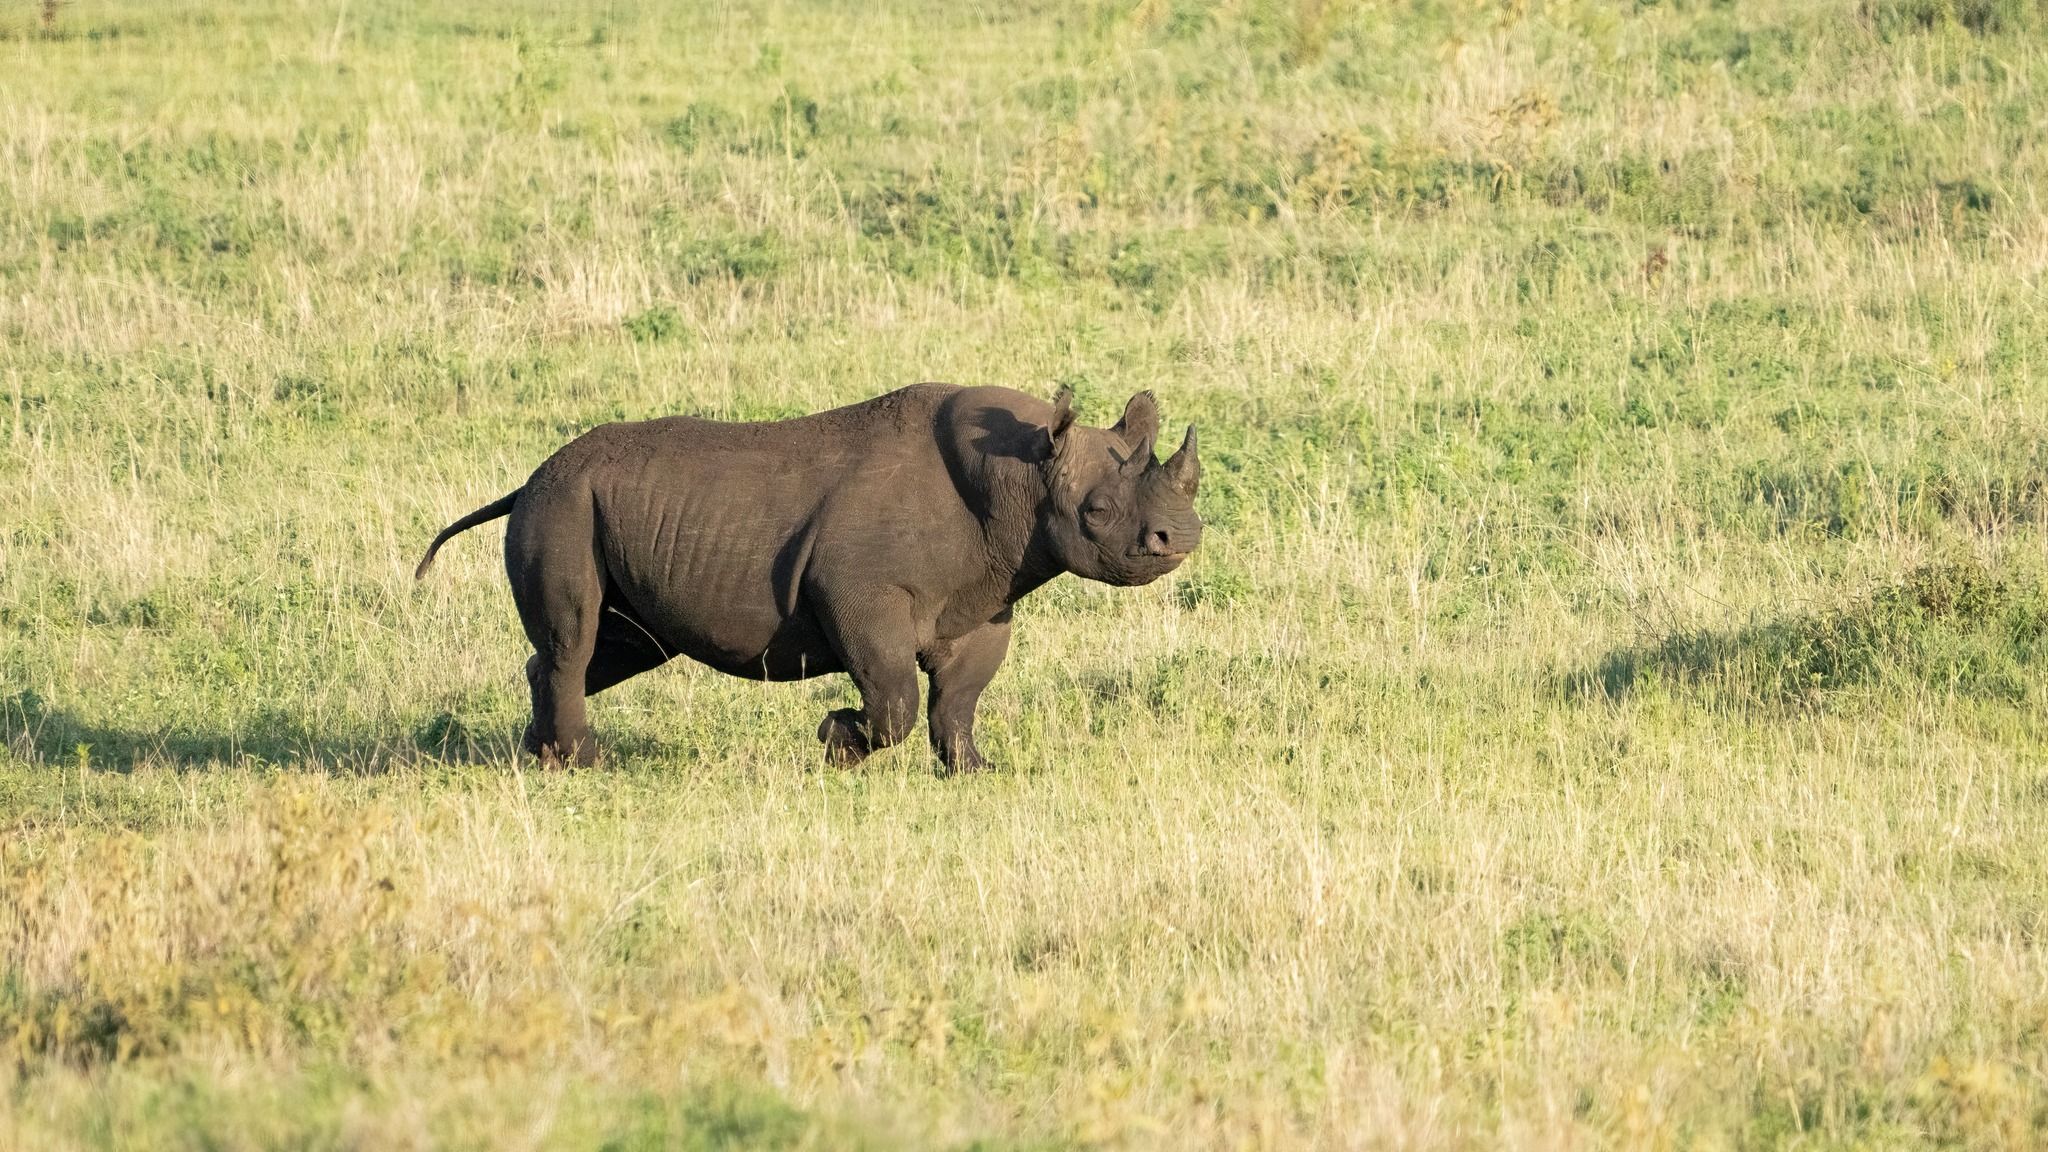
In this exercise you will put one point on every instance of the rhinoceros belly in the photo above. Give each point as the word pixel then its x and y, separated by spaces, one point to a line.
pixel 710 569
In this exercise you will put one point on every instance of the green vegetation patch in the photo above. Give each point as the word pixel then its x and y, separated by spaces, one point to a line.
pixel 1955 628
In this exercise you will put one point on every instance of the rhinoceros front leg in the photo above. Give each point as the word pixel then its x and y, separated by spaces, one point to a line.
pixel 958 676
pixel 877 642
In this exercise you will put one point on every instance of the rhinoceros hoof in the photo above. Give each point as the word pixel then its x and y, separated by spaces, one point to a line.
pixel 964 759
pixel 845 744
pixel 579 754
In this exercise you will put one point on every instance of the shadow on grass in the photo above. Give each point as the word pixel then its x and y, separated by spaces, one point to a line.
pixel 1957 628
pixel 35 730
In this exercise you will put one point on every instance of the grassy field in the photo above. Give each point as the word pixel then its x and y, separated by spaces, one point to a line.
pixel 1606 712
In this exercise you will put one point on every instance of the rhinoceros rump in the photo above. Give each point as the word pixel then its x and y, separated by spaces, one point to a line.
pixel 877 540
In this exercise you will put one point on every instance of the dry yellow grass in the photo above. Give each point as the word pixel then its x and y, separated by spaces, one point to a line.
pixel 1605 713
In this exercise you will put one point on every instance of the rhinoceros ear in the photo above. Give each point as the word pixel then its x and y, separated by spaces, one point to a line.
pixel 1062 419
pixel 1184 469
pixel 1140 424
pixel 1138 428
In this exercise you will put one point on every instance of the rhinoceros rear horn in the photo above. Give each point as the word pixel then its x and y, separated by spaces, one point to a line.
pixel 1184 469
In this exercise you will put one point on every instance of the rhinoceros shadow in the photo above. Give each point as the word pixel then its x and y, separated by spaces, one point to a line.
pixel 1002 434
pixel 36 729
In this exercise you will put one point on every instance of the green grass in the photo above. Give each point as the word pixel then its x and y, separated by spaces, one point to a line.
pixel 1607 710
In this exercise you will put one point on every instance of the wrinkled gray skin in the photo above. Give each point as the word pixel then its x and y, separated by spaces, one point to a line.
pixel 877 540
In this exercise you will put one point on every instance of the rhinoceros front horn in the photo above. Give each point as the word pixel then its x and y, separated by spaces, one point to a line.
pixel 1184 470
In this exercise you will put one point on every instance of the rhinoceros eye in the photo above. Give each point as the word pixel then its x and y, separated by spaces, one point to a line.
pixel 1099 515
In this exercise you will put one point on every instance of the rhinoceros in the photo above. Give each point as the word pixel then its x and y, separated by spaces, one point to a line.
pixel 878 539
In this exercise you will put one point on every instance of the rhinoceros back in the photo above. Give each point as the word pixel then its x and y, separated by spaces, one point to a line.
pixel 706 530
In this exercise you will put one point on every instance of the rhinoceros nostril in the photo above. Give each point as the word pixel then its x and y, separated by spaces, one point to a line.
pixel 1159 542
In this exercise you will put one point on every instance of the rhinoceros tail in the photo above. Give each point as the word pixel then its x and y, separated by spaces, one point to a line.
pixel 502 506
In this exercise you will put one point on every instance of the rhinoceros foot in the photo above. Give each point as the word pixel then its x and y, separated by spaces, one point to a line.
pixel 846 744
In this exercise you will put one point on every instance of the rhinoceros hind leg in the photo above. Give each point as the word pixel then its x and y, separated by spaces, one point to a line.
pixel 531 740
pixel 560 601
pixel 559 733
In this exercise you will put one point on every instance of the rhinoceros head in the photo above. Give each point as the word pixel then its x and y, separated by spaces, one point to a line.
pixel 1116 514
